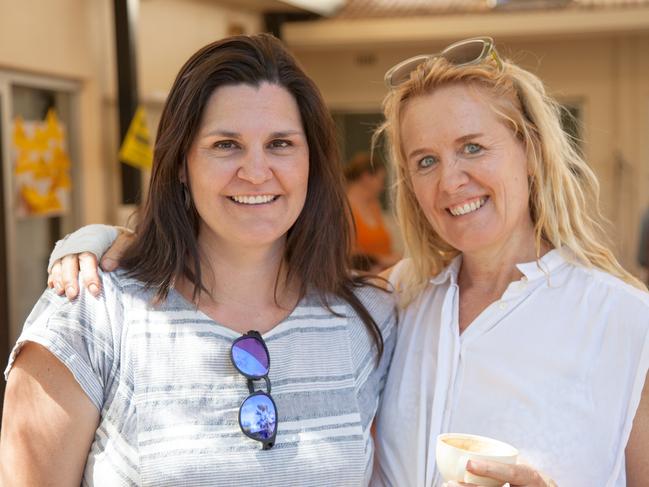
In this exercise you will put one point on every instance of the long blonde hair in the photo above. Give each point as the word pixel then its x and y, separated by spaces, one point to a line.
pixel 564 192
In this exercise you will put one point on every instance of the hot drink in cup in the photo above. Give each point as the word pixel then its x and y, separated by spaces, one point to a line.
pixel 454 450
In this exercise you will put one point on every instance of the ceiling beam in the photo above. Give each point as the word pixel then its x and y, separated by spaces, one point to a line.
pixel 376 32
pixel 325 8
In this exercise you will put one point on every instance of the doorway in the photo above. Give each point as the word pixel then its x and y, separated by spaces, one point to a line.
pixel 28 230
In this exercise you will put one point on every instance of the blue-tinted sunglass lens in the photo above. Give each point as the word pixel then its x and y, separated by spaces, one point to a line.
pixel 250 357
pixel 258 417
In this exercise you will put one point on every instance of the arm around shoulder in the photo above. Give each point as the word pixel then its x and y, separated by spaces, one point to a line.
pixel 48 423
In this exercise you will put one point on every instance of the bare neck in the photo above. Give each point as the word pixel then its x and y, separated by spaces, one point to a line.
pixel 495 266
pixel 490 276
pixel 247 287
pixel 486 274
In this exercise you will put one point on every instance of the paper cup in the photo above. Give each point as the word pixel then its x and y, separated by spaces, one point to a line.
pixel 454 450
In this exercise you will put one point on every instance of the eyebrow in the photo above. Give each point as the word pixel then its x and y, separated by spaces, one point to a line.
pixel 464 138
pixel 236 135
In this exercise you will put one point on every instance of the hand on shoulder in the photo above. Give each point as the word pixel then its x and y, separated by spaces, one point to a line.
pixel 79 253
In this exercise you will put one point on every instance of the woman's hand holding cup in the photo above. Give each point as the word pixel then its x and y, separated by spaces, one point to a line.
pixel 472 460
pixel 455 451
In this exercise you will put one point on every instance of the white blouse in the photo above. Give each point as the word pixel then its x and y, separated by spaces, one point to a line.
pixel 556 367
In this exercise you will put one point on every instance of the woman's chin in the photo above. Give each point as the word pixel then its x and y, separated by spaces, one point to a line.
pixel 475 244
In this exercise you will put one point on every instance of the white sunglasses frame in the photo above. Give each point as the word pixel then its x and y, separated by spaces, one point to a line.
pixel 488 49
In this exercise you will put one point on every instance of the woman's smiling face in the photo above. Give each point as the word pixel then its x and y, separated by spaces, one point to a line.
pixel 468 169
pixel 249 166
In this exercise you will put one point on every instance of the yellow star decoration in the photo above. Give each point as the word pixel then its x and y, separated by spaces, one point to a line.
pixel 42 166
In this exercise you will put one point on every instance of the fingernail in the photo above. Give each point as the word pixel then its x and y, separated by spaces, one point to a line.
pixel 69 291
pixel 58 288
pixel 94 290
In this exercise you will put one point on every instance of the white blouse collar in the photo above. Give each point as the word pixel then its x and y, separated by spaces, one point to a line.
pixel 449 272
pixel 544 266
pixel 531 270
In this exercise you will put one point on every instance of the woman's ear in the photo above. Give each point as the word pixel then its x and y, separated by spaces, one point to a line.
pixel 182 172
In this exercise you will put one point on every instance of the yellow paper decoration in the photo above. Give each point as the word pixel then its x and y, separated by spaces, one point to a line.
pixel 136 149
pixel 41 166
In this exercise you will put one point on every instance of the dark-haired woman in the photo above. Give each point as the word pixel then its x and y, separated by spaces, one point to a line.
pixel 234 347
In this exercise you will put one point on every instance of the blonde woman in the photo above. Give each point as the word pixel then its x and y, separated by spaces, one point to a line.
pixel 516 321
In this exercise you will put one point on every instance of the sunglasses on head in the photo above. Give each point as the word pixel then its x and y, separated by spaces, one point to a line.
pixel 461 53
pixel 257 413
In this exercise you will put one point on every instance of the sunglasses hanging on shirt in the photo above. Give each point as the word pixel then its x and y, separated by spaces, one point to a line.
pixel 258 412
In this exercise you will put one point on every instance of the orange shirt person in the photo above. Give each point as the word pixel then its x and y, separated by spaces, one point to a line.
pixel 373 248
pixel 372 236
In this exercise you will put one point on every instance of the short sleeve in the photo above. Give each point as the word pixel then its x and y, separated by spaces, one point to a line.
pixel 370 376
pixel 84 334
pixel 638 359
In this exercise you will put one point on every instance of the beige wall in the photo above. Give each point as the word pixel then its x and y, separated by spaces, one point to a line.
pixel 47 36
pixel 172 30
pixel 607 74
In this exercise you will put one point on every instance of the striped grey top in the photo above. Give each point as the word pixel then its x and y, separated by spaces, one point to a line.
pixel 169 396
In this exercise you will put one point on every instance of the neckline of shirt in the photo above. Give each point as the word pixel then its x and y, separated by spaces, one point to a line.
pixel 533 270
pixel 292 319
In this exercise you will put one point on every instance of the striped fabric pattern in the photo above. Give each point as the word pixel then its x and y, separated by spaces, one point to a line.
pixel 169 396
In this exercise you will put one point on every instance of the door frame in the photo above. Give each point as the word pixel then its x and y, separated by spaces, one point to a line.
pixel 8 277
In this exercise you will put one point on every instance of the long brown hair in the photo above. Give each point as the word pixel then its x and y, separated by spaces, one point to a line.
pixel 317 245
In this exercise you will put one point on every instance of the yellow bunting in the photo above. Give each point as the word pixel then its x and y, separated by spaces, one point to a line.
pixel 41 166
pixel 136 149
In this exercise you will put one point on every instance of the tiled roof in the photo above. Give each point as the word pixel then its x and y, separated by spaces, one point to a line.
pixel 411 8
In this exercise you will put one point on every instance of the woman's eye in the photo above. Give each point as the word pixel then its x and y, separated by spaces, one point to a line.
pixel 426 162
pixel 472 148
pixel 280 144
pixel 225 145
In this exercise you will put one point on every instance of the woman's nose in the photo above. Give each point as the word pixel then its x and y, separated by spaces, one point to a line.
pixel 452 176
pixel 255 168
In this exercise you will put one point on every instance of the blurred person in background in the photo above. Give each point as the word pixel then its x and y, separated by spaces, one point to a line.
pixel 373 249
pixel 163 376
